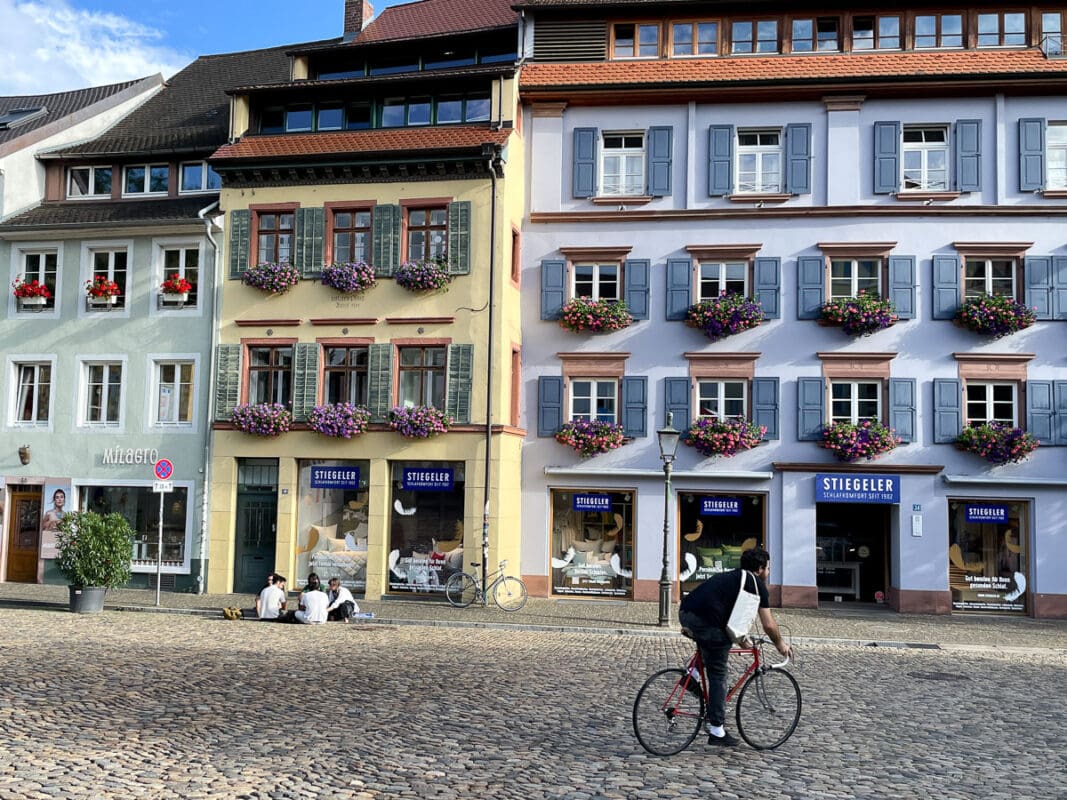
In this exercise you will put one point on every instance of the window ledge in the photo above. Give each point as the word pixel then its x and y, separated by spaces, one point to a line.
pixel 622 200
pixel 1054 194
pixel 759 197
pixel 931 196
pixel 260 323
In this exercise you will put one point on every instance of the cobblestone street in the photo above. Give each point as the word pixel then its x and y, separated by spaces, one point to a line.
pixel 124 705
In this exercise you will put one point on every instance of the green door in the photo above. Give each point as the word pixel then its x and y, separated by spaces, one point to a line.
pixel 257 524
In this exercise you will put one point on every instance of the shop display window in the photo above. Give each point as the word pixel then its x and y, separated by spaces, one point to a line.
pixel 988 555
pixel 592 542
pixel 715 530
pixel 425 525
pixel 332 522
pixel 139 505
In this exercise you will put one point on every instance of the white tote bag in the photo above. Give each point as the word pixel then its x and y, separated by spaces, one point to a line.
pixel 744 614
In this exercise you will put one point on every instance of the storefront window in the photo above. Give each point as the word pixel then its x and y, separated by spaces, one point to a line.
pixel 332 522
pixel 425 525
pixel 140 506
pixel 988 559
pixel 715 530
pixel 592 542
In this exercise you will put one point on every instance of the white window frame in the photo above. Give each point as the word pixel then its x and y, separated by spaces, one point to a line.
pixel 721 398
pixel 759 184
pixel 92 181
pixel 155 362
pixel 19 250
pixel 205 172
pixel 854 401
pixel 721 280
pixel 88 249
pixel 597 279
pixel 988 387
pixel 85 363
pixel 12 367
pixel 594 385
pixel 147 180
pixel 853 277
pixel 1057 180
pixel 987 277
pixel 637 180
pixel 924 149
pixel 159 274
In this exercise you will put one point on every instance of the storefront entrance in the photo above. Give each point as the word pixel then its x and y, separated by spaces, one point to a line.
pixel 24 537
pixel 257 524
pixel 988 555
pixel 852 552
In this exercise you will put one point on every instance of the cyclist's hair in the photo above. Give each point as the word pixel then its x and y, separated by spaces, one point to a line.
pixel 755 559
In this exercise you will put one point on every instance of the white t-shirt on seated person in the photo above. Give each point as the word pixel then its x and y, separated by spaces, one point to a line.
pixel 271 600
pixel 315 604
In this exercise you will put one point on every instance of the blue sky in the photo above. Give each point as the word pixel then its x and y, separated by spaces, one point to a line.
pixel 57 45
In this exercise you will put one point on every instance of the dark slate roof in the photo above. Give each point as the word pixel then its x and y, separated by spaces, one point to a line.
pixel 118 213
pixel 59 105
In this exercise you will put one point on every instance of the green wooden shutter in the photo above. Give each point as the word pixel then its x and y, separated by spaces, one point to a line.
pixel 310 232
pixel 385 235
pixel 239 235
pixel 305 380
pixel 379 380
pixel 227 380
pixel 459 237
pixel 460 379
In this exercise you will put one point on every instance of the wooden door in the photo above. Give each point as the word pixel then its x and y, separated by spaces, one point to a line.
pixel 24 537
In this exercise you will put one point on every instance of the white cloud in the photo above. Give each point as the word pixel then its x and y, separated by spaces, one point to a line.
pixel 50 46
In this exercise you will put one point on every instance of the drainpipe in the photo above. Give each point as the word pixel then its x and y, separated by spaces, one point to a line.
pixel 201 579
pixel 495 162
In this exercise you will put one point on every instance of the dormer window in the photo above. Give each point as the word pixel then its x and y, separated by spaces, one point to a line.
pixel 754 36
pixel 938 30
pixel 876 33
pixel 634 40
pixel 146 179
pixel 694 39
pixel 1002 29
pixel 18 116
pixel 89 182
pixel 198 176
pixel 819 34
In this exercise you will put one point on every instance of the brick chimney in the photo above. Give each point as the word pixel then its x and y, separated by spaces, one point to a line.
pixel 357 14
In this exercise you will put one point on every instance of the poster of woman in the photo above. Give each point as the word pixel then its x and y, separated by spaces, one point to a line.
pixel 56 499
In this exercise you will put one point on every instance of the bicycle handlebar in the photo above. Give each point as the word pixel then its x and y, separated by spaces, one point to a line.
pixel 762 640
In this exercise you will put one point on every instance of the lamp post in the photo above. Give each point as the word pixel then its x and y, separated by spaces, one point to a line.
pixel 668 445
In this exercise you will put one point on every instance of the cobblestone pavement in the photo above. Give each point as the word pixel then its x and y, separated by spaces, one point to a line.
pixel 124 705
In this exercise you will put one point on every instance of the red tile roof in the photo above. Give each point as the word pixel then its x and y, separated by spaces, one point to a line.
pixel 362 143
pixel 437 18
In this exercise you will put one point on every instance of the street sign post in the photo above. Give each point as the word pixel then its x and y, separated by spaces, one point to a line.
pixel 163 470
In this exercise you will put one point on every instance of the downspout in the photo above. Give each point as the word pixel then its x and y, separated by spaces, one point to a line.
pixel 494 162
pixel 208 444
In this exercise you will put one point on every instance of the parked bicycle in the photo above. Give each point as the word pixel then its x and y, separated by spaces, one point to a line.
pixel 508 592
pixel 670 707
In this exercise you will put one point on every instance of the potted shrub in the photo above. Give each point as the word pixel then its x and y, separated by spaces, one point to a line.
pixel 340 420
pixel 994 316
pixel 711 436
pixel 262 419
pixel 175 289
pixel 271 278
pixel 997 442
pixel 725 315
pixel 350 277
pixel 860 315
pixel 866 440
pixel 94 555
pixel 422 276
pixel 419 422
pixel 596 316
pixel 102 291
pixel 30 293
pixel 589 437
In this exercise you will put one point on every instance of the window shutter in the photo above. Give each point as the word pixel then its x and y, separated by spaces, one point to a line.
pixel 549 405
pixel 798 158
pixel 969 155
pixel 677 395
pixel 636 278
pixel 659 157
pixel 1031 154
pixel 1059 287
pixel 305 380
pixel 765 405
pixel 584 170
pixel 459 237
pixel 720 160
pixel 227 380
pixel 902 285
pixel 679 287
pixel 946 286
pixel 768 280
pixel 886 157
pixel 948 410
pixel 811 400
pixel 553 288
pixel 310 229
pixel 385 239
pixel 811 286
pixel 902 408
pixel 1038 277
pixel 1059 420
pixel 239 234
pixel 1040 410
pixel 379 380
pixel 635 406
pixel 460 379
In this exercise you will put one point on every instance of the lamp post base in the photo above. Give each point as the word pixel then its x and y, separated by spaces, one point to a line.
pixel 664 603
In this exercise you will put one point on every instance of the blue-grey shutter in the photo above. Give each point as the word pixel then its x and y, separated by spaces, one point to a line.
pixel 379 380
pixel 1059 420
pixel 553 288
pixel 549 405
pixel 902 285
pixel 635 275
pixel 720 160
pixel 227 380
pixel 969 155
pixel 240 238
pixel 765 405
pixel 459 237
pixel 635 406
pixel 584 171
pixel 305 379
pixel 1040 409
pixel 460 379
pixel 886 157
pixel 811 286
pixel 310 232
pixel 902 408
pixel 1037 272
pixel 768 281
pixel 677 394
pixel 385 239
pixel 811 404
pixel 1059 287
pixel 1031 154
pixel 948 410
pixel 660 159
pixel 946 286
pixel 798 158
pixel 679 287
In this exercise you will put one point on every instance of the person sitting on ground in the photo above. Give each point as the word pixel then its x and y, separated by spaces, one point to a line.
pixel 271 601
pixel 342 604
pixel 313 603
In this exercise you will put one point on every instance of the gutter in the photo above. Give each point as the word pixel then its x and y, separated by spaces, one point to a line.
pixel 201 579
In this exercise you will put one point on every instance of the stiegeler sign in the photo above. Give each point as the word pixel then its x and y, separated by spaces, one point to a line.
pixel 856 488
pixel 335 477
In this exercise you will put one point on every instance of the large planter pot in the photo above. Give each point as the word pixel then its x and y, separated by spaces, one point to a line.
pixel 86 599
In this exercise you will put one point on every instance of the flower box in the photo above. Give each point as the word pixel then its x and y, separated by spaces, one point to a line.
pixel 994 316
pixel 176 284
pixel 584 314
pixel 349 278
pixel 271 278
pixel 865 440
pixel 175 297
pixel 419 422
pixel 102 291
pixel 422 276
pixel 36 300
pixel 591 437
pixel 339 421
pixel 30 293
pixel 262 419
pixel 997 443
pixel 861 315
pixel 711 436
pixel 724 315
pixel 106 300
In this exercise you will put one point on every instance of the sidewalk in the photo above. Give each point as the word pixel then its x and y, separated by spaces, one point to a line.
pixel 843 624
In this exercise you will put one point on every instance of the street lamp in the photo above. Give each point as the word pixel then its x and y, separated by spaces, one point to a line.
pixel 668 445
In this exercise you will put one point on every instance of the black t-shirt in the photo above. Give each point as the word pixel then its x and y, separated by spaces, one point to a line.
pixel 713 601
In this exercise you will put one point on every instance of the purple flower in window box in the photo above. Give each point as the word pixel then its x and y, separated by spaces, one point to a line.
pixel 711 436
pixel 349 278
pixel 590 437
pixel 725 315
pixel 595 316
pixel 997 442
pixel 272 278
pixel 340 420
pixel 419 422
pixel 995 316
pixel 422 276
pixel 262 419
pixel 854 441
pixel 860 315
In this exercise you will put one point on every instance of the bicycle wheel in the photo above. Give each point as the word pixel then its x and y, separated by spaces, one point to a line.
pixel 666 715
pixel 461 590
pixel 510 594
pixel 768 709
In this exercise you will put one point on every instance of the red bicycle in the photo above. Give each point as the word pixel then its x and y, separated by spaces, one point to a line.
pixel 670 707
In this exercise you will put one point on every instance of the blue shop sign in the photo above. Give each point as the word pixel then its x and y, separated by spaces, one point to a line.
pixel 335 477
pixel 720 506
pixel 856 488
pixel 427 479
pixel 987 513
pixel 591 502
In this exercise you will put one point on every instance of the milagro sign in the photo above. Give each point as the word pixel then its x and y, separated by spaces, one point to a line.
pixel 120 456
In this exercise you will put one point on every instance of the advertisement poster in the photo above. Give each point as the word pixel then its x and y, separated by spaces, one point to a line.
pixel 55 504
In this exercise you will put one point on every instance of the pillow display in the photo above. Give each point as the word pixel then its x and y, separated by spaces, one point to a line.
pixel 586 547
pixel 580 557
pixel 336 545
pixel 454 559
pixel 318 534
pixel 709 555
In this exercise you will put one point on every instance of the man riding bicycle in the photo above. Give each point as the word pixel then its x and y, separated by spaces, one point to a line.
pixel 705 612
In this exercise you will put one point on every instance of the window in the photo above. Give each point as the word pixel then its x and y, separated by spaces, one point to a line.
pixel 630 40
pixel 597 281
pixel 351 236
pixel 1056 154
pixel 623 164
pixel 185 262
pixel 147 179
pixel 925 159
pixel 721 399
pixel 989 277
pixel 849 277
pixel 876 33
pixel 477 108
pixel 815 34
pixel 1052 33
pixel 272 120
pixel 718 277
pixel 991 402
pixel 112 265
pixel 998 29
pixel 16 116
pixel 418 111
pixel 855 401
pixel 694 39
pixel 41 267
pixel 275 237
pixel 359 116
pixel 89 182
pixel 270 374
pixel 394 112
pixel 427 238
pixel 449 110
pixel 760 36
pixel 198 176
pixel 140 506
pixel 298 119
pixel 592 399
pixel 938 30
pixel 330 117
pixel 34 394
pixel 759 161
pixel 103 394
pixel 346 375
pixel 422 376
pixel 173 393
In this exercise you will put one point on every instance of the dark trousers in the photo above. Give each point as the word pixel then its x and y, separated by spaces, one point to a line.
pixel 341 613
pixel 715 651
